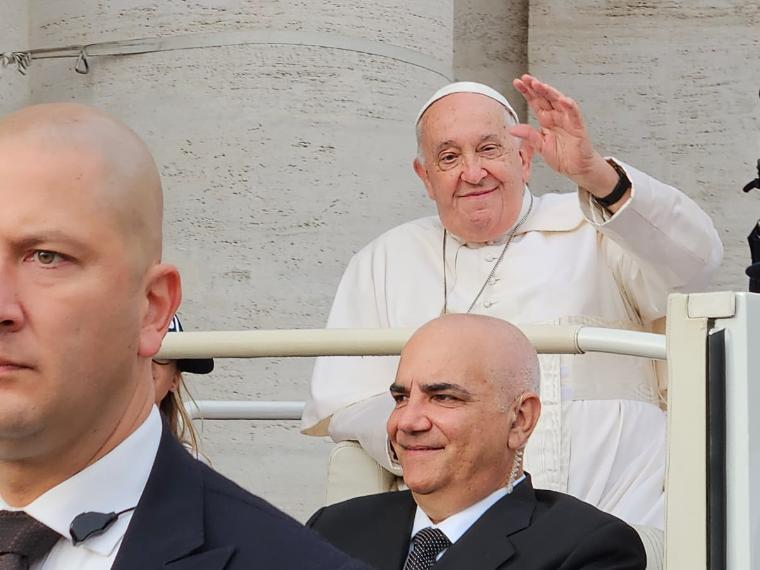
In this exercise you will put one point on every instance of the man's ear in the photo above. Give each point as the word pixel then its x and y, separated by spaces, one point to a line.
pixel 526 158
pixel 421 171
pixel 162 296
pixel 526 417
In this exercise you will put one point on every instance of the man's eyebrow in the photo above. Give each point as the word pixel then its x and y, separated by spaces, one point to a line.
pixel 398 389
pixel 49 237
pixel 436 387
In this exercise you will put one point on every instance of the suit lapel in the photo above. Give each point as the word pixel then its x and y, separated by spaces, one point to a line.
pixel 387 543
pixel 168 522
pixel 486 544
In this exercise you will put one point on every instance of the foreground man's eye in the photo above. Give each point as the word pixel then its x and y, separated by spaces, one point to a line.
pixel 45 257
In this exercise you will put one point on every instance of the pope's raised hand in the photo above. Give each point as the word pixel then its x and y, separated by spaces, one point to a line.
pixel 561 138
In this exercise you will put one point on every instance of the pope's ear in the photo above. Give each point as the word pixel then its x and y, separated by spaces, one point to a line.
pixel 162 296
pixel 526 160
pixel 421 171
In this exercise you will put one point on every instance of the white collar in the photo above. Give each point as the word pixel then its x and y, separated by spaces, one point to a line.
pixel 113 483
pixel 457 524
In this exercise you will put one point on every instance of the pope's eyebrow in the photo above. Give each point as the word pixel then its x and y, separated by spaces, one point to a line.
pixel 487 137
pixel 491 137
pixel 443 145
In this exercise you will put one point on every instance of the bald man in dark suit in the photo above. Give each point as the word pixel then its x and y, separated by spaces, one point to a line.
pixel 466 405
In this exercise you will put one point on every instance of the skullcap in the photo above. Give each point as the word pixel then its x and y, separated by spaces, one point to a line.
pixel 467 87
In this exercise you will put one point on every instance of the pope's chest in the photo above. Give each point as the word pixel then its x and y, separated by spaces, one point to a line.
pixel 539 276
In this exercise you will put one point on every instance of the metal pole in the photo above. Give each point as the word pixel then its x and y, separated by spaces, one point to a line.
pixel 550 339
pixel 243 410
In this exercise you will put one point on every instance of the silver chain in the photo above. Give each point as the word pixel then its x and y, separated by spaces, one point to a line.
pixel 493 269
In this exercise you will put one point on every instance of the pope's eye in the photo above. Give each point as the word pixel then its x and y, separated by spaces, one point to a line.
pixel 491 151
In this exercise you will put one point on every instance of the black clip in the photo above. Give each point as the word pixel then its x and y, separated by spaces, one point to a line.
pixel 90 524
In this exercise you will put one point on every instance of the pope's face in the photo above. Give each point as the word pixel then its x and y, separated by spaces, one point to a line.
pixel 471 166
pixel 69 300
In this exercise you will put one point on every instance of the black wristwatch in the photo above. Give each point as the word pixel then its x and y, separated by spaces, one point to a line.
pixel 622 186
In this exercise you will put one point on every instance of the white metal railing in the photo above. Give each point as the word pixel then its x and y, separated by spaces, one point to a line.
pixel 550 339
pixel 379 342
pixel 244 410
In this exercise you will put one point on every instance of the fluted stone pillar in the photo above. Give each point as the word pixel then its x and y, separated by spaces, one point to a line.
pixel 14 87
pixel 491 44
pixel 670 87
pixel 279 161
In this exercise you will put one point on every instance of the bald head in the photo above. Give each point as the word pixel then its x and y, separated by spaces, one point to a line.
pixel 484 346
pixel 104 158
pixel 465 404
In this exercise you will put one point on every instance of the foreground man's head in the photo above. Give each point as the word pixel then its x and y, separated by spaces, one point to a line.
pixel 466 405
pixel 84 297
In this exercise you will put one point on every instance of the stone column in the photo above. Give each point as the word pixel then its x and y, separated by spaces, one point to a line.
pixel 279 159
pixel 669 87
pixel 491 44
pixel 14 87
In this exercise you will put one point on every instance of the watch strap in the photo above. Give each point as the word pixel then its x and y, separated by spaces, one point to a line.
pixel 622 186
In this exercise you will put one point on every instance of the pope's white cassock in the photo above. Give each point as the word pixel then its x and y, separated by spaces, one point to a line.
pixel 601 436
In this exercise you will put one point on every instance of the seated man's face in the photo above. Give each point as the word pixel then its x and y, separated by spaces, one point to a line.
pixel 471 166
pixel 450 426
pixel 69 296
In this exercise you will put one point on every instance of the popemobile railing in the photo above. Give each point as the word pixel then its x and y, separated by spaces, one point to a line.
pixel 713 513
pixel 367 342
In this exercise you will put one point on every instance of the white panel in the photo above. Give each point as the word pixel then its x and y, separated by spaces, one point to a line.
pixel 743 432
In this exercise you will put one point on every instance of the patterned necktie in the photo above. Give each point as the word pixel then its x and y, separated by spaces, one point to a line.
pixel 426 545
pixel 23 540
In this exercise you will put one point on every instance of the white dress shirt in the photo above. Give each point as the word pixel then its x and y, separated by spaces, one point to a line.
pixel 112 484
pixel 457 524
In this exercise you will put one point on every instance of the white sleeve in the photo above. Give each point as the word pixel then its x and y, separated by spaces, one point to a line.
pixel 660 242
pixel 365 422
pixel 340 381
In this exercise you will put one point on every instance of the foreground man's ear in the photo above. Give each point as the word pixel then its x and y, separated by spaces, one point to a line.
pixel 527 413
pixel 163 293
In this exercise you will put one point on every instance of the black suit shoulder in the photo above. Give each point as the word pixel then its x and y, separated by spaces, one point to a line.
pixel 262 533
pixel 358 512
pixel 196 519
pixel 582 536
pixel 374 528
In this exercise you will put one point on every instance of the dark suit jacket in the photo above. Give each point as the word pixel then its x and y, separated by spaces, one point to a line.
pixel 526 530
pixel 191 518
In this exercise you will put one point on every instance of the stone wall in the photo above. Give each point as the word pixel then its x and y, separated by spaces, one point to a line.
pixel 14 87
